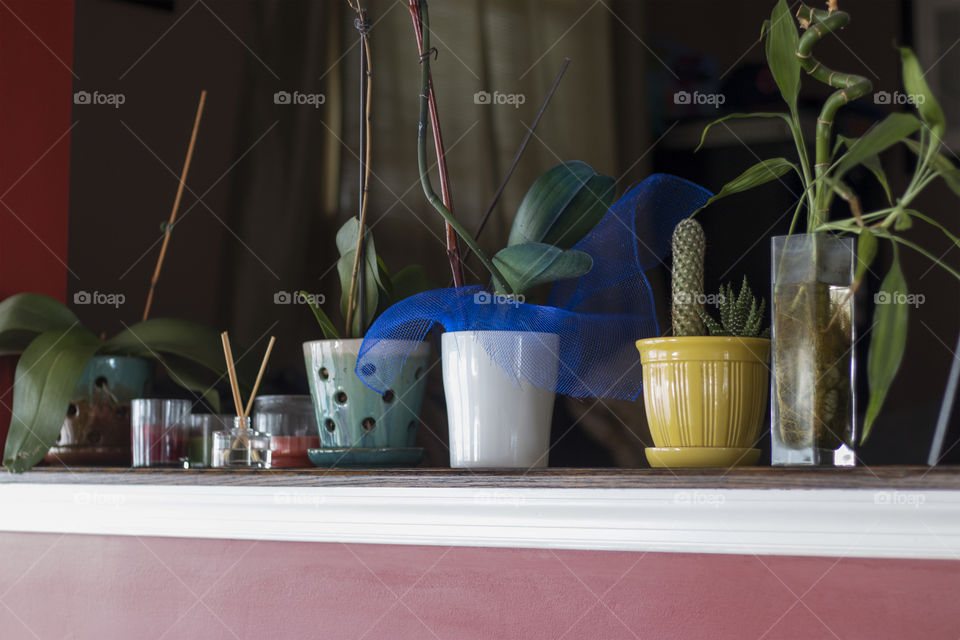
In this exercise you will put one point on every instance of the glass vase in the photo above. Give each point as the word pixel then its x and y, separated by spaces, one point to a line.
pixel 813 399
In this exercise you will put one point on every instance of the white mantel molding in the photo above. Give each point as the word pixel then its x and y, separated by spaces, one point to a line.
pixel 806 522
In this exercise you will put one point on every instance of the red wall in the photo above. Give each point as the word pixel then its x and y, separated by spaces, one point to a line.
pixel 36 85
pixel 96 587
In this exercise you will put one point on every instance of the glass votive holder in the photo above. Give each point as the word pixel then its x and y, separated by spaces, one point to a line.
pixel 158 429
pixel 202 428
pixel 291 423
pixel 240 446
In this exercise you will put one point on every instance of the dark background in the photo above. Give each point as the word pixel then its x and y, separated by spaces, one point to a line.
pixel 274 194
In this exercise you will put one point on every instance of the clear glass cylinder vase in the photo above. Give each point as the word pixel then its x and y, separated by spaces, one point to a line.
pixel 813 391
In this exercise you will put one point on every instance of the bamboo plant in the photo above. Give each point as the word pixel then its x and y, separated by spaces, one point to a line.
pixel 789 47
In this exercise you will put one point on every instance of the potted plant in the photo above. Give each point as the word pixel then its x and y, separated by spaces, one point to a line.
pixel 816 274
pixel 705 388
pixel 349 414
pixel 498 417
pixel 59 358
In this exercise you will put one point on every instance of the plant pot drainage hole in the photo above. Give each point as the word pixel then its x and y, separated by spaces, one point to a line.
pixel 340 397
pixel 368 424
pixel 330 425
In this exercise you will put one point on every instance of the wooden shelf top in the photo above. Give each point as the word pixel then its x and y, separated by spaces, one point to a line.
pixel 880 477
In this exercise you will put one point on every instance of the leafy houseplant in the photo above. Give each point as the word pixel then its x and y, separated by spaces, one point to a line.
pixel 815 275
pixel 487 397
pixel 350 414
pixel 55 349
pixel 705 395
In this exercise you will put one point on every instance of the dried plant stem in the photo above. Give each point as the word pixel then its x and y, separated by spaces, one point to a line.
pixel 256 385
pixel 453 246
pixel 523 147
pixel 176 205
pixel 356 295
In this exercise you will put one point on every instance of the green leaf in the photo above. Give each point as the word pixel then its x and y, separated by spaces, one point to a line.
pixel 941 164
pixel 371 295
pixel 781 46
pixel 760 173
pixel 562 205
pixel 737 116
pixel 583 213
pixel 870 162
pixel 326 326
pixel 370 272
pixel 24 316
pixel 532 264
pixel 193 377
pixel 191 341
pixel 889 131
pixel 917 87
pixel 916 214
pixel 409 281
pixel 46 377
pixel 888 340
pixel 866 252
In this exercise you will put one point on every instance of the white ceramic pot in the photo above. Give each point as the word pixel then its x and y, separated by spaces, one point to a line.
pixel 496 419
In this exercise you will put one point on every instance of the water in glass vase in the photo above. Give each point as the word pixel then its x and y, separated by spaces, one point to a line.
pixel 813 400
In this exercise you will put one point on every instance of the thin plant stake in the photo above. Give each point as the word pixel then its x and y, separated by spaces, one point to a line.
pixel 232 373
pixel 176 205
pixel 256 385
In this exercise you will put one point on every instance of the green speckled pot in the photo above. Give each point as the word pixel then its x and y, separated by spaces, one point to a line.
pixel 349 413
pixel 96 430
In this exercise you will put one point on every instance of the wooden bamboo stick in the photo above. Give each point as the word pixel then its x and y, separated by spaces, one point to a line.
pixel 176 205
pixel 232 373
pixel 256 385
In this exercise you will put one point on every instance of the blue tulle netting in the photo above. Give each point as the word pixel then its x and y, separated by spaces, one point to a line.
pixel 597 317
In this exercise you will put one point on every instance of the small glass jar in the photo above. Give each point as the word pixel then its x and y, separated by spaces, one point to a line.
pixel 291 423
pixel 158 431
pixel 240 446
pixel 202 428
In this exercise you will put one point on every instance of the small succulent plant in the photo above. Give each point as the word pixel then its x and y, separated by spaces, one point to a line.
pixel 740 315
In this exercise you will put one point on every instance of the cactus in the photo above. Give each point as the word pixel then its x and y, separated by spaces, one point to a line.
pixel 740 315
pixel 689 246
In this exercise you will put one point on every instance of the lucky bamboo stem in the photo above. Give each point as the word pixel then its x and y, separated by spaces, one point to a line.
pixel 176 205
pixel 819 23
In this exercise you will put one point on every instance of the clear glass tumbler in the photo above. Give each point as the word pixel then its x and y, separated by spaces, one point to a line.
pixel 291 423
pixel 159 431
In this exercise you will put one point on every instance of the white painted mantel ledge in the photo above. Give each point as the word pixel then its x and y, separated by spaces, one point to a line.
pixel 808 522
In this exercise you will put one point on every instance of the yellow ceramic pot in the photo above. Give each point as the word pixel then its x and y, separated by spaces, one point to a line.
pixel 706 392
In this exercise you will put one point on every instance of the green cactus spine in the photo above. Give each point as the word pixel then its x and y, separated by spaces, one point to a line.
pixel 689 246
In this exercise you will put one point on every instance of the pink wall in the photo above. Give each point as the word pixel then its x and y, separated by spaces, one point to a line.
pixel 54 586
